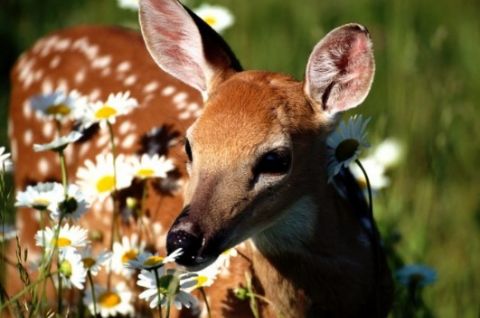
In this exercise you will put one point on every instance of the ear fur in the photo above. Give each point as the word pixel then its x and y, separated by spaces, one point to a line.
pixel 340 69
pixel 184 46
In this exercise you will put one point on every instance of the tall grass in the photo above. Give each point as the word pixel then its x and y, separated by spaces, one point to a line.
pixel 426 94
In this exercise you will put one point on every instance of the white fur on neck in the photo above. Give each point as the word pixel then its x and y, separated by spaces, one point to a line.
pixel 292 231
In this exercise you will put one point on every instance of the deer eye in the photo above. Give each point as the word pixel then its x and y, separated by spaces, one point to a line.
pixel 274 162
pixel 188 150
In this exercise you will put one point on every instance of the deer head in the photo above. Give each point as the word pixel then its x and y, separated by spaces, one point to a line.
pixel 259 143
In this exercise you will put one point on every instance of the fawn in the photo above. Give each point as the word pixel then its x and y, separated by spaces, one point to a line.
pixel 255 156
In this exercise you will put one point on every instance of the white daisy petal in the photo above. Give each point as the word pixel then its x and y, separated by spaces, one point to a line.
pixel 217 17
pixel 5 160
pixel 59 143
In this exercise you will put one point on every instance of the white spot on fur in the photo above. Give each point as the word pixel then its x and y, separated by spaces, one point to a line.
pixel 157 229
pixel 179 97
pixel 43 166
pixel 102 61
pixel 193 107
pixel 129 141
pixel 55 62
pixel 102 140
pixel 84 149
pixel 130 80
pixel 182 105
pixel 184 115
pixel 27 137
pixel 47 129
pixel 62 45
pixel 80 76
pixel 27 109
pixel 94 94
pixel 124 66
pixel 106 72
pixel 47 86
pixel 150 87
pixel 125 127
pixel 167 91
pixel 37 75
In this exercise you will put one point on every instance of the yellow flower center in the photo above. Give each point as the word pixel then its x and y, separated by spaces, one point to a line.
pixel 145 172
pixel 105 112
pixel 129 255
pixel 201 280
pixel 88 262
pixel 62 242
pixel 153 260
pixel 109 299
pixel 210 20
pixel 105 183
pixel 58 109
pixel 346 149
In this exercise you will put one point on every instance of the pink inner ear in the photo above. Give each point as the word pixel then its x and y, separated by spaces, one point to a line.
pixel 173 40
pixel 340 69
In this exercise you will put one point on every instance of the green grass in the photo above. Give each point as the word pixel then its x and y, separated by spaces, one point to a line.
pixel 426 94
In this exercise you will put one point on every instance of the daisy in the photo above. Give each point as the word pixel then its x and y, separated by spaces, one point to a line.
pixel 202 278
pixel 168 282
pixel 94 263
pixel 103 112
pixel 40 196
pixel 124 252
pixel 128 4
pixel 5 161
pixel 147 260
pixel 58 104
pixel 388 152
pixel 71 268
pixel 72 207
pixel 416 275
pixel 113 302
pixel 97 179
pixel 345 143
pixel 375 171
pixel 149 166
pixel 217 17
pixel 7 232
pixel 73 236
pixel 59 143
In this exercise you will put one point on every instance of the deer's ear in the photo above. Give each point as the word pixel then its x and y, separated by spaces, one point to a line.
pixel 340 69
pixel 184 46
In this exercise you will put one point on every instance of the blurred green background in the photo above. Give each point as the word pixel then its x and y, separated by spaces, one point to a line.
pixel 426 94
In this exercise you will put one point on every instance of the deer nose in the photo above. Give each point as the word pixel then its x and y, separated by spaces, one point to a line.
pixel 188 242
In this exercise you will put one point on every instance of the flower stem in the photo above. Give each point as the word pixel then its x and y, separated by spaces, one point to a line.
pixel 204 295
pixel 113 229
pixel 369 188
pixel 63 166
pixel 90 279
pixel 59 292
pixel 157 280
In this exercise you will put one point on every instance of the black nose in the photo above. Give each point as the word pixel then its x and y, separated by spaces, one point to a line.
pixel 189 243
